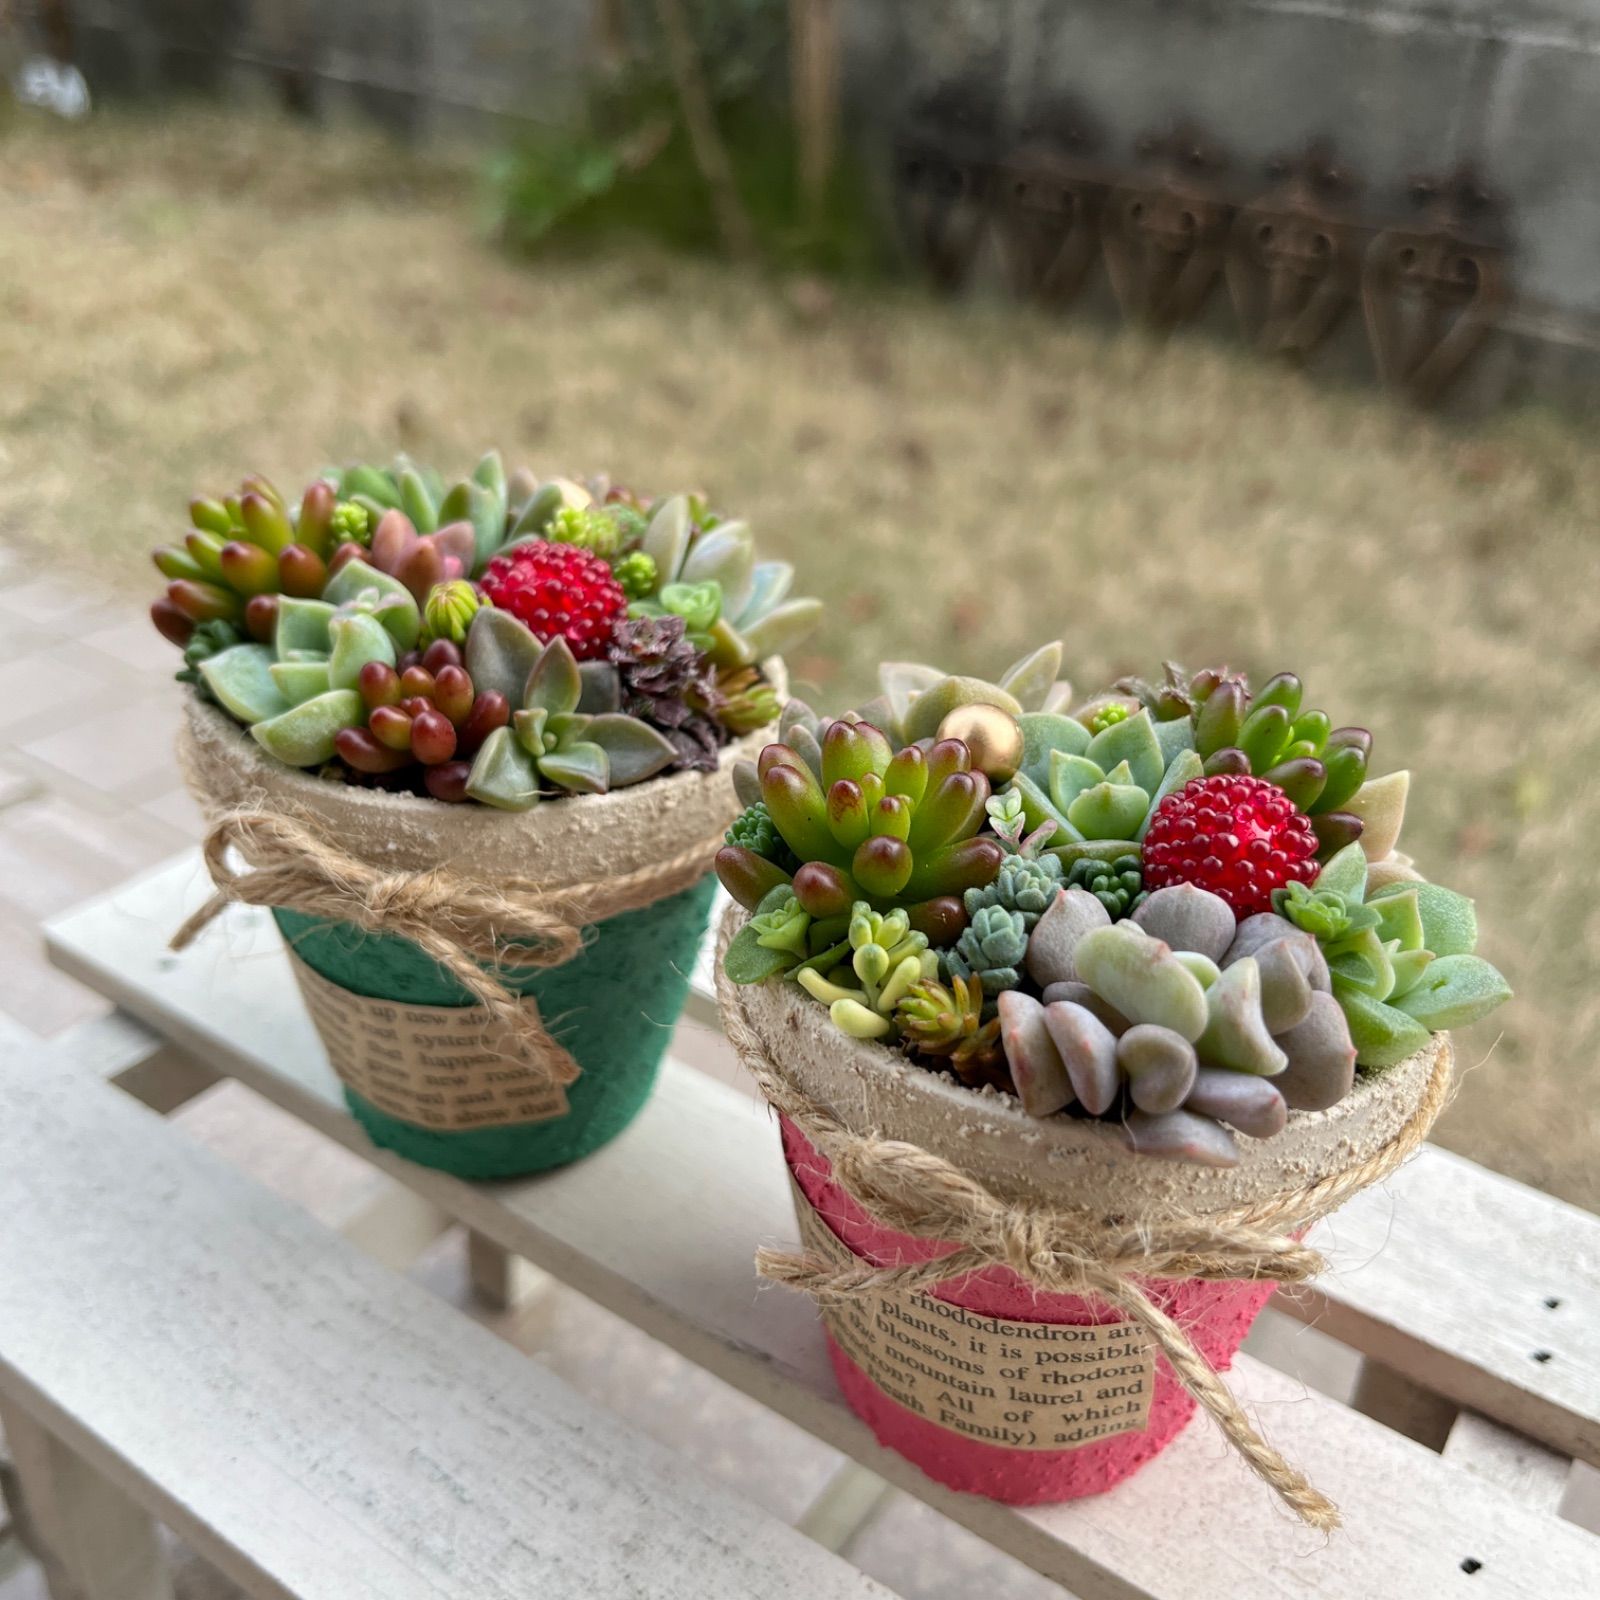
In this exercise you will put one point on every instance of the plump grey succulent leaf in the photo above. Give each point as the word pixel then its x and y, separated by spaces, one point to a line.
pixel 1180 1136
pixel 1188 918
pixel 1285 967
pixel 1254 1106
pixel 1080 994
pixel 1321 1057
pixel 1070 915
pixel 1037 1070
pixel 1160 1066
pixel 1089 1049
pixel 1142 979
pixel 1236 1034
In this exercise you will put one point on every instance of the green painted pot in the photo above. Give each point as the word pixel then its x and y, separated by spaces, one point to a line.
pixel 613 1007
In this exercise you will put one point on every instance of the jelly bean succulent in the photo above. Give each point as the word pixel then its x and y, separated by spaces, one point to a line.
pixel 1177 907
pixel 893 829
pixel 389 626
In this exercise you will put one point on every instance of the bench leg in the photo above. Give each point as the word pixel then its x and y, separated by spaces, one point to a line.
pixel 500 1280
pixel 92 1541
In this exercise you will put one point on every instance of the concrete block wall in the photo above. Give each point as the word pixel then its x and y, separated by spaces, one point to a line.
pixel 1399 86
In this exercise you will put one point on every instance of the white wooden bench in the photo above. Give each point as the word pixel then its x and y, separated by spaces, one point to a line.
pixel 176 1343
pixel 1474 1302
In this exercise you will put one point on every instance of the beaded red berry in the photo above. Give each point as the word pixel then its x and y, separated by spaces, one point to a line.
pixel 1239 837
pixel 557 589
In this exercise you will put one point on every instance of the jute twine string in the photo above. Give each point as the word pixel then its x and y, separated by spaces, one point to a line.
pixel 912 1191
pixel 462 923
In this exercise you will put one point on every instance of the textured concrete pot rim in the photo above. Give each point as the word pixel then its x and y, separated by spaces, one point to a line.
pixel 1071 1163
pixel 573 840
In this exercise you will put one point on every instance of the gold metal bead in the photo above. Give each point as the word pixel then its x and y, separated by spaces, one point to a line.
pixel 992 735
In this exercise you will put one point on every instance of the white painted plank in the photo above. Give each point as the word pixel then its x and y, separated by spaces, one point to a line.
pixel 1475 1287
pixel 140 1062
pixel 1527 1471
pixel 658 1227
pixel 311 1423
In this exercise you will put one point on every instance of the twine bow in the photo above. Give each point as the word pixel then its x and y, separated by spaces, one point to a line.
pixel 464 924
pixel 912 1191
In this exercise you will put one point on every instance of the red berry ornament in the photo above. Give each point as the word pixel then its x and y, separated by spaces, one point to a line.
pixel 1239 837
pixel 557 589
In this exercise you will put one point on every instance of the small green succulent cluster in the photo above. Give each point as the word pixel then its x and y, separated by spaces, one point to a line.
pixel 1401 955
pixel 1268 733
pixel 893 829
pixel 951 1024
pixel 992 948
pixel 884 958
pixel 753 830
pixel 1117 884
pixel 1023 885
pixel 1095 793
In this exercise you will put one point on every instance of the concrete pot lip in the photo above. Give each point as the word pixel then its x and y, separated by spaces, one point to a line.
pixel 1070 1163
pixel 574 840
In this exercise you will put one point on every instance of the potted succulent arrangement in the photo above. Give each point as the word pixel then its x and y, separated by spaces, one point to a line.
pixel 1076 1020
pixel 474 743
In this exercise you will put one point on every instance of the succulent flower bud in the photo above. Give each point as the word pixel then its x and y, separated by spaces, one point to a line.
pixel 449 610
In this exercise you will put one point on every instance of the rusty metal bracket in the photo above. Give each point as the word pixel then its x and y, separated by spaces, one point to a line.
pixel 1295 254
pixel 1050 193
pixel 945 171
pixel 1165 239
pixel 1432 286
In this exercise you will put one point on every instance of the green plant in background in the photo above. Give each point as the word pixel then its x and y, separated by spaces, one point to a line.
pixel 634 170
pixel 1401 958
pixel 892 829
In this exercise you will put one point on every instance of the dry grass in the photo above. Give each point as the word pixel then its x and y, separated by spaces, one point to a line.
pixel 181 302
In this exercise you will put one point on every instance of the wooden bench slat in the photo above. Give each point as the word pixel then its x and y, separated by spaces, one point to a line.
pixel 659 1228
pixel 294 1410
pixel 1447 1273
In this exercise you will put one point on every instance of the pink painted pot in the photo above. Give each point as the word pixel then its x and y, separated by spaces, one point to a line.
pixel 1067 1164
pixel 1216 1315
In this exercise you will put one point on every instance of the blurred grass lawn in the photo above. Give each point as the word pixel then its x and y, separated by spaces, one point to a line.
pixel 185 300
